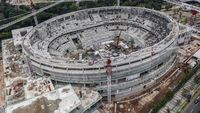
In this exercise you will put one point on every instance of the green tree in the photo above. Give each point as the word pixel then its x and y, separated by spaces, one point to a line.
pixel 87 4
pixel 184 92
pixel 73 7
pixel 153 4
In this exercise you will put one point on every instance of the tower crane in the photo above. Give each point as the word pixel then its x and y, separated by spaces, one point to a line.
pixel 193 17
pixel 109 74
pixel 32 5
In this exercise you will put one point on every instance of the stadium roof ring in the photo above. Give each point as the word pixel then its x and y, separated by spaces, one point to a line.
pixel 92 30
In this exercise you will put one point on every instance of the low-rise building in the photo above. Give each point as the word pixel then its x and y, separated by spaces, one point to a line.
pixel 62 100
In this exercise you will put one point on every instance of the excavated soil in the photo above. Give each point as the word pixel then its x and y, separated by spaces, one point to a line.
pixel 41 105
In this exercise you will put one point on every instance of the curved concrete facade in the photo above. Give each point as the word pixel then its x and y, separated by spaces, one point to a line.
pixel 130 73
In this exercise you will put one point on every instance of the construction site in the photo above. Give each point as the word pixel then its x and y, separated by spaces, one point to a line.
pixel 23 89
pixel 143 103
pixel 99 60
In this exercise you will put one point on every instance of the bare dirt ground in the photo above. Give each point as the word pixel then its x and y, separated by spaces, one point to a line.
pixel 41 105
pixel 1 83
pixel 144 104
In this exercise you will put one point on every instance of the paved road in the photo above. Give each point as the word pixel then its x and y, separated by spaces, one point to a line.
pixel 194 108
pixel 190 0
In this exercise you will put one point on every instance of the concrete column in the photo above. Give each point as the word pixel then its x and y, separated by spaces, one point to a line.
pixel 118 2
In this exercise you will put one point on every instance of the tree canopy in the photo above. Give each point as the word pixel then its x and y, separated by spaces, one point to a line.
pixel 7 10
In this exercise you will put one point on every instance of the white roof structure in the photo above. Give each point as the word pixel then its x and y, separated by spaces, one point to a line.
pixel 192 63
pixel 19 34
pixel 65 97
pixel 197 54
pixel 36 87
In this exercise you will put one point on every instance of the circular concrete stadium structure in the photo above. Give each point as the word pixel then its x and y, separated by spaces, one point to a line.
pixel 74 48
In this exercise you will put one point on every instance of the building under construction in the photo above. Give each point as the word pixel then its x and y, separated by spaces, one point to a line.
pixel 75 48
pixel 34 94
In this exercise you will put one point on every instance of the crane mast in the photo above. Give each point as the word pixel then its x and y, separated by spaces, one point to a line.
pixel 33 12
pixel 109 73
pixel 192 17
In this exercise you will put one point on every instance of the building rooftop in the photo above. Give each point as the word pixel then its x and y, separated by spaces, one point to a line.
pixel 25 92
pixel 88 98
pixel 36 87
pixel 63 100
pixel 197 54
pixel 19 34
pixel 13 62
pixel 19 84
pixel 15 72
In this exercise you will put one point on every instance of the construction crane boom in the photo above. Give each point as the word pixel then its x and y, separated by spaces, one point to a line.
pixel 30 15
